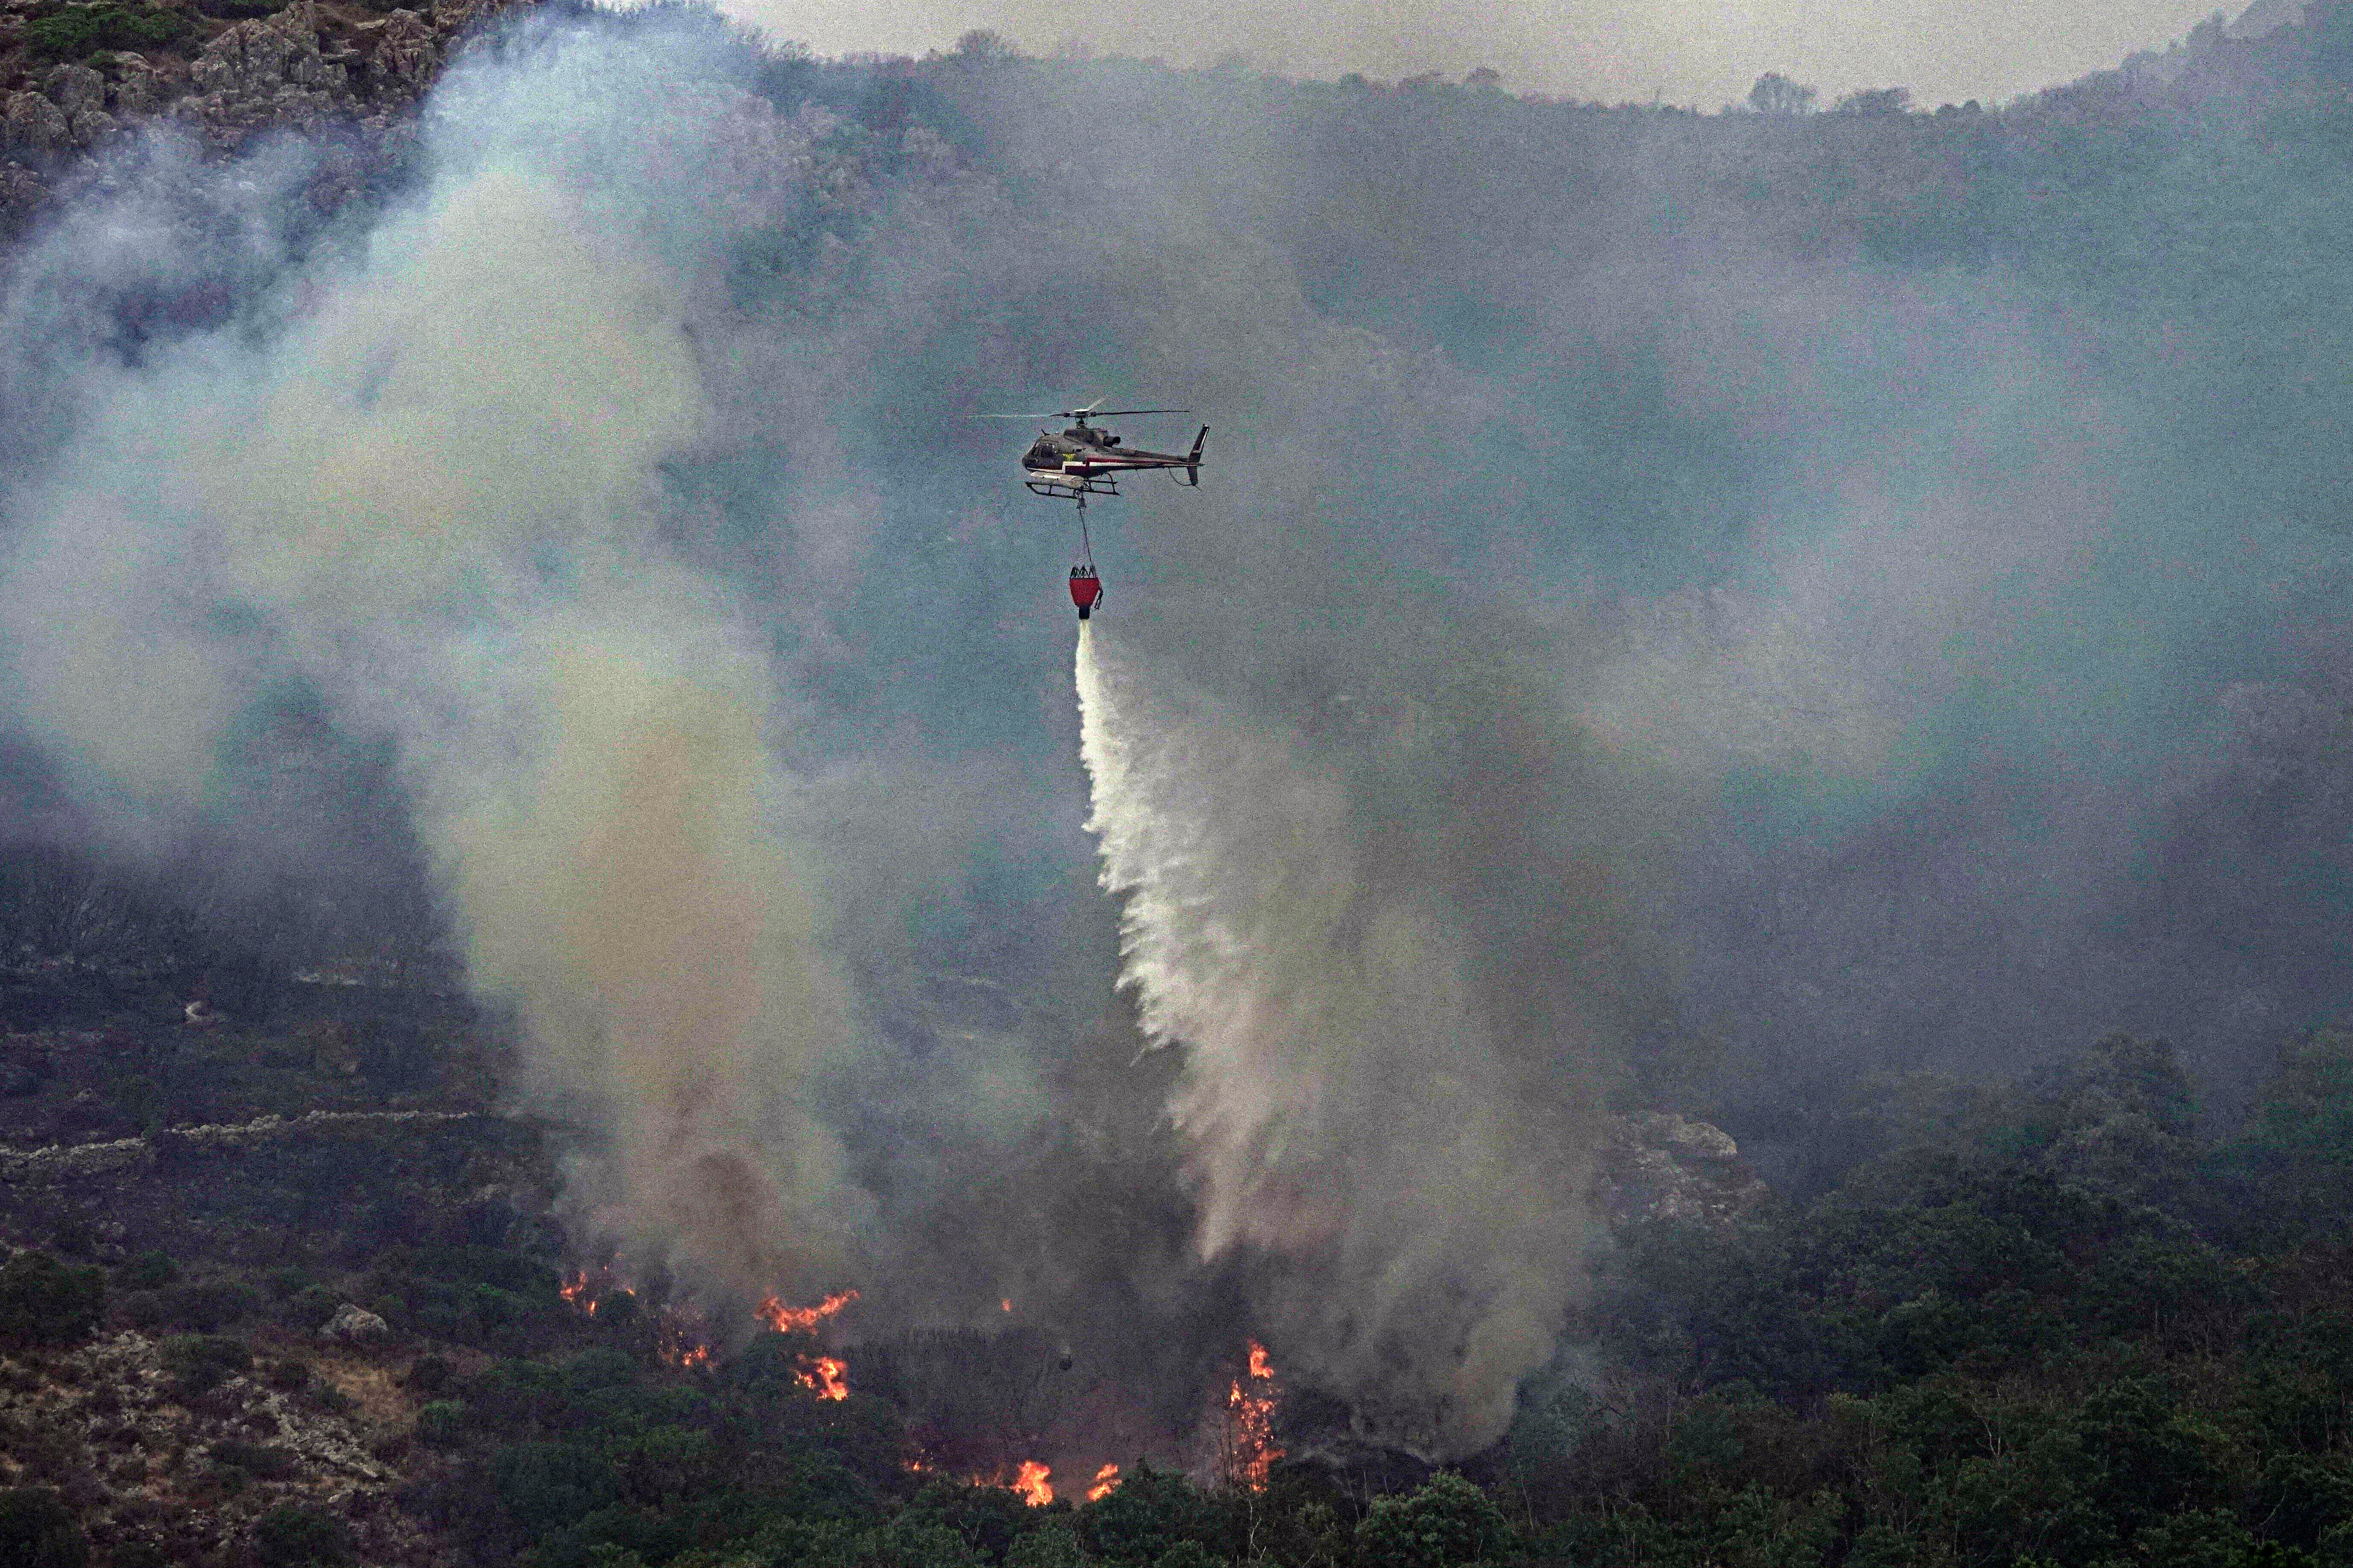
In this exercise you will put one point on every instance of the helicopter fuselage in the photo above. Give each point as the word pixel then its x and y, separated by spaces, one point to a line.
pixel 1084 461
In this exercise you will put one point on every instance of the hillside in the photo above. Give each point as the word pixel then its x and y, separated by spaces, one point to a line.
pixel 1695 911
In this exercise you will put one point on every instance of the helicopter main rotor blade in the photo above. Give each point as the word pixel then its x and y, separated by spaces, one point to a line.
pixel 1107 412
pixel 1056 415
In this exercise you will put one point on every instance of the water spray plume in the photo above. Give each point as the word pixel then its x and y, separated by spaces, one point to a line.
pixel 1366 1090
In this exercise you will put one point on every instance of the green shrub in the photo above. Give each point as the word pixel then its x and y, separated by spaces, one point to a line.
pixel 254 1459
pixel 1151 1512
pixel 208 1305
pixel 548 1485
pixel 138 1099
pixel 145 1309
pixel 441 1424
pixel 37 1531
pixel 148 1272
pixel 75 31
pixel 1447 1522
pixel 291 1536
pixel 43 1301
pixel 311 1306
pixel 200 1362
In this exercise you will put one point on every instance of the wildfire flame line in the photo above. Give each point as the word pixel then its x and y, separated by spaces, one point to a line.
pixel 1106 1482
pixel 786 1320
pixel 585 1293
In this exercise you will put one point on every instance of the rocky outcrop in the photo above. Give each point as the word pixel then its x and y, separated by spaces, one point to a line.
pixel 354 1325
pixel 265 74
pixel 299 69
pixel 30 123
pixel 62 1162
pixel 1663 1167
pixel 162 1467
pixel 404 53
pixel 140 89
pixel 67 115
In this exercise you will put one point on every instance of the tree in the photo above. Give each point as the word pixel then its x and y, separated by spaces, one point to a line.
pixel 43 1301
pixel 1875 100
pixel 981 44
pixel 1777 94
pixel 37 1532
pixel 1447 1522
pixel 291 1536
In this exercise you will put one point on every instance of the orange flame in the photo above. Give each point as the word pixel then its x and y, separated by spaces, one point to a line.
pixel 785 1319
pixel 1007 1303
pixel 1032 1483
pixel 828 1377
pixel 1250 1452
pixel 679 1343
pixel 586 1291
pixel 1106 1483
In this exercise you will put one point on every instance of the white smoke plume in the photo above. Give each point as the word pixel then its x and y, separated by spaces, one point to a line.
pixel 1348 1104
pixel 429 490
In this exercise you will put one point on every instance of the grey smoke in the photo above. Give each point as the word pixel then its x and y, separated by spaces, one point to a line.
pixel 1605 639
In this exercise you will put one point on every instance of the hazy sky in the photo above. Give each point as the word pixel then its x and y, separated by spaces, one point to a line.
pixel 1698 51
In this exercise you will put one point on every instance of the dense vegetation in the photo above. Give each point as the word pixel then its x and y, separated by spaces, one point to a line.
pixel 2046 1323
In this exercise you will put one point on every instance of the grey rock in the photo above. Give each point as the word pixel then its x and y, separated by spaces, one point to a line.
pixel 30 123
pixel 92 126
pixel 1663 1167
pixel 264 74
pixel 354 1325
pixel 75 89
pixel 406 52
pixel 142 89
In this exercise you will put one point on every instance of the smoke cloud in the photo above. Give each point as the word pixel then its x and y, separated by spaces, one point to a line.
pixel 1625 647
pixel 429 489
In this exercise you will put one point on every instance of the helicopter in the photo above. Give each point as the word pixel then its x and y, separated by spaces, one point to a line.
pixel 1085 460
